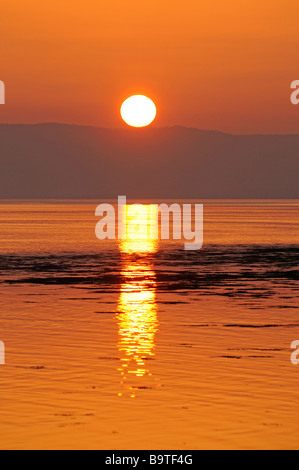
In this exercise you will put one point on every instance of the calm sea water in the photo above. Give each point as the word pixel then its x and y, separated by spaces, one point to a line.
pixel 140 344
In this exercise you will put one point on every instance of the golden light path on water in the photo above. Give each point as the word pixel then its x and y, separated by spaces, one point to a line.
pixel 137 309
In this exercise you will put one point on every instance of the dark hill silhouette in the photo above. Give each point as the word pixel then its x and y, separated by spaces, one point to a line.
pixel 68 161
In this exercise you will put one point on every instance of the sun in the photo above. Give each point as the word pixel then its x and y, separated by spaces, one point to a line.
pixel 138 111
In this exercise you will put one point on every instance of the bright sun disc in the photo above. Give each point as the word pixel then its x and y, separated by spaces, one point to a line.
pixel 138 111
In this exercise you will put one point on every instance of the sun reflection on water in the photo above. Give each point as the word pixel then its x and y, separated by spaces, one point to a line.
pixel 137 309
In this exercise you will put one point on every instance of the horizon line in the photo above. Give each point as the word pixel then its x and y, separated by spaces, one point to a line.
pixel 132 129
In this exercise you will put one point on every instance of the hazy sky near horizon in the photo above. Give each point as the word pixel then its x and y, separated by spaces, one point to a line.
pixel 224 65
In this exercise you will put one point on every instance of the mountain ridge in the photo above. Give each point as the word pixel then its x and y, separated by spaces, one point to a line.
pixel 147 129
pixel 53 161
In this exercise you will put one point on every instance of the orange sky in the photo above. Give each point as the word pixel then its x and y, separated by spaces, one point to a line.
pixel 224 65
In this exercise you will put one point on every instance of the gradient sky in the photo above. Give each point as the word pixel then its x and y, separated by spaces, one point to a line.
pixel 224 65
